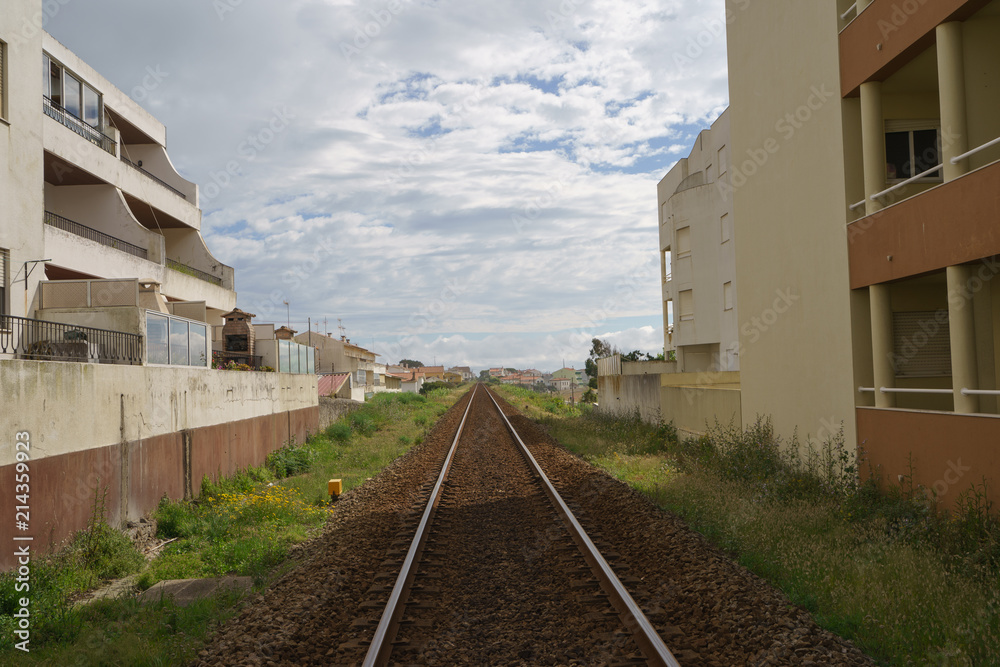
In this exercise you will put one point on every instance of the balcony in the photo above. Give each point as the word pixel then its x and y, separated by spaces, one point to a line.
pixel 946 453
pixel 193 272
pixel 88 132
pixel 72 227
pixel 953 223
pixel 885 36
pixel 155 179
pixel 41 340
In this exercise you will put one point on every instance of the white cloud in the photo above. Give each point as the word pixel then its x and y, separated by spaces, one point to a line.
pixel 510 148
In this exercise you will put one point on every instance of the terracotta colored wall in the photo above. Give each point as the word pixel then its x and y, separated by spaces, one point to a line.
pixel 903 29
pixel 950 452
pixel 62 487
pixel 952 224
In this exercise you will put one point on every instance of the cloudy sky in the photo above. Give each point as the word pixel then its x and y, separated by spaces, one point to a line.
pixel 466 182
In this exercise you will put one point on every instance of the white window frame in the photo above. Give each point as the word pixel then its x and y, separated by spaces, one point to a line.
pixel 911 126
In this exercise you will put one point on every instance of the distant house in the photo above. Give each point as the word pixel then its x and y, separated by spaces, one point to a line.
pixel 336 385
pixel 561 383
pixel 498 372
pixel 464 371
pixel 340 355
pixel 431 373
pixel 454 378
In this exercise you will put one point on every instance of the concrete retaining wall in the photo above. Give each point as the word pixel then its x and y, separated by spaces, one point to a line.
pixel 332 409
pixel 618 394
pixel 140 433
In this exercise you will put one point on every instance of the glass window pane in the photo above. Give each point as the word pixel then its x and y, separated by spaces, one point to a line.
pixel 157 348
pixel 293 357
pixel 46 89
pixel 926 151
pixel 199 336
pixel 73 104
pixel 178 342
pixel 897 155
pixel 283 356
pixel 91 106
pixel 312 361
pixel 55 83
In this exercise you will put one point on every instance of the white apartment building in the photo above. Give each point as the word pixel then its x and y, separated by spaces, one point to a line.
pixel 697 256
pixel 90 194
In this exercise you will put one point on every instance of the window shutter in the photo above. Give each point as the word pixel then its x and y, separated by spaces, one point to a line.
pixel 921 344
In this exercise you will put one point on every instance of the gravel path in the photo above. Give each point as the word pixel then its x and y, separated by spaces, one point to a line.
pixel 494 584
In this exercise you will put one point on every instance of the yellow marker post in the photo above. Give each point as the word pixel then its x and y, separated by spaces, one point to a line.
pixel 335 487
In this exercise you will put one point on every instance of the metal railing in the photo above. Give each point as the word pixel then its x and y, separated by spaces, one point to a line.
pixel 253 361
pixel 965 391
pixel 55 341
pixel 988 144
pixel 196 273
pixel 159 180
pixel 86 232
pixel 84 129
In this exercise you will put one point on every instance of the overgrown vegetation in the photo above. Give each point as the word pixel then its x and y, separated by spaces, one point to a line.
pixel 245 524
pixel 873 561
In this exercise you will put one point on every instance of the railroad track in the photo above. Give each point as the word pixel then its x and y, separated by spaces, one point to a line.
pixel 499 571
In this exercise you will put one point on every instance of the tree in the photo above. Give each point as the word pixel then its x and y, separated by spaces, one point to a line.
pixel 598 350
pixel 511 370
pixel 411 363
pixel 484 375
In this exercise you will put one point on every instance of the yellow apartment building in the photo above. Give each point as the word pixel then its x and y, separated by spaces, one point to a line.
pixel 866 186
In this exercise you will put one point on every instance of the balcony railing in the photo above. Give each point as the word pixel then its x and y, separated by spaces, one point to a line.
pixel 196 273
pixel 54 341
pixel 220 358
pixel 155 178
pixel 86 232
pixel 85 130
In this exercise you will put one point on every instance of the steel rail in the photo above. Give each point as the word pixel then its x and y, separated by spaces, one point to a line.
pixel 649 641
pixel 378 651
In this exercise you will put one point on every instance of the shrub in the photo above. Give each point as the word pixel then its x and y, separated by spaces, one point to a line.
pixel 339 431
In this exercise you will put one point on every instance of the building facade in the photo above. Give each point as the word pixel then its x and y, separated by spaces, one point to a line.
pixel 697 256
pixel 866 190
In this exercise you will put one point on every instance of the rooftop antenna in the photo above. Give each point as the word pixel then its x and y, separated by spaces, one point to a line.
pixel 340 325
pixel 326 328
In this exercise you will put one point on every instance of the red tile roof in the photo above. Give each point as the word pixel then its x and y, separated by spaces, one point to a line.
pixel 331 384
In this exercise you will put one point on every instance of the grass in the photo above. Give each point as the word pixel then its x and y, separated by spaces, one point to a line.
pixel 245 524
pixel 876 564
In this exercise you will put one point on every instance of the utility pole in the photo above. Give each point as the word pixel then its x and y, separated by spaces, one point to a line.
pixel 310 331
pixel 288 314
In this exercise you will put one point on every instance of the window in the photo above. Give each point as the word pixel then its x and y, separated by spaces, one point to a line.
pixel 687 305
pixel 708 173
pixel 69 92
pixel 727 227
pixel 4 272
pixel 912 147
pixel 175 341
pixel 683 242
pixel 362 377
pixel 722 162
pixel 3 81
pixel 727 296
pixel 921 344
